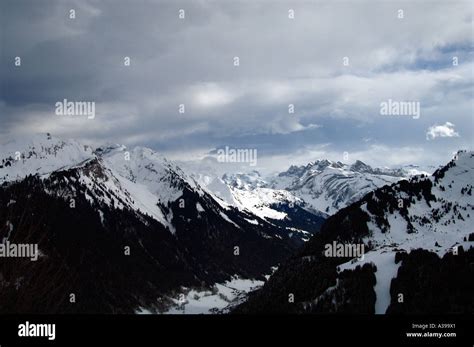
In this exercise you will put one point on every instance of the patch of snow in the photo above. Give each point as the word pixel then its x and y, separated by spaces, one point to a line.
pixel 101 215
pixel 384 259
pixel 223 215
pixel 252 221
pixel 220 299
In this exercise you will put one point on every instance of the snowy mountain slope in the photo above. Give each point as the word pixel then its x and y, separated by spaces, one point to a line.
pixel 317 190
pixel 146 167
pixel 259 201
pixel 152 181
pixel 298 199
pixel 84 207
pixel 409 229
pixel 425 210
pixel 39 154
pixel 323 186
pixel 249 193
pixel 209 173
pixel 138 179
pixel 166 181
pixel 44 155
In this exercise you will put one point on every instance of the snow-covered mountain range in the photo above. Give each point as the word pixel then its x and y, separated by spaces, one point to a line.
pixel 320 188
pixel 111 219
pixel 329 186
pixel 297 200
pixel 418 240
pixel 120 223
pixel 143 180
pixel 40 154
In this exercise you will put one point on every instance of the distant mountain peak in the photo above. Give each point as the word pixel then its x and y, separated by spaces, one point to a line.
pixel 39 154
pixel 328 186
pixel 320 163
pixel 360 166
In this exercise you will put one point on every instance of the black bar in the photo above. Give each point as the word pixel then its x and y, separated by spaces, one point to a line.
pixel 321 330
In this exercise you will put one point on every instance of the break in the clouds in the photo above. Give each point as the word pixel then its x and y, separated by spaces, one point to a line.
pixel 444 130
pixel 244 74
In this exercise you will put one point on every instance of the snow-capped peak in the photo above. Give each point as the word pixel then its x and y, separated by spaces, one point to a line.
pixel 146 167
pixel 360 166
pixel 139 179
pixel 40 154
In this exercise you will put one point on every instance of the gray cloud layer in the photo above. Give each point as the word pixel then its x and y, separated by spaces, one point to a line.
pixel 282 61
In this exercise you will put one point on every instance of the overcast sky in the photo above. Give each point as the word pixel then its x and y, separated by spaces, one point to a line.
pixel 282 61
